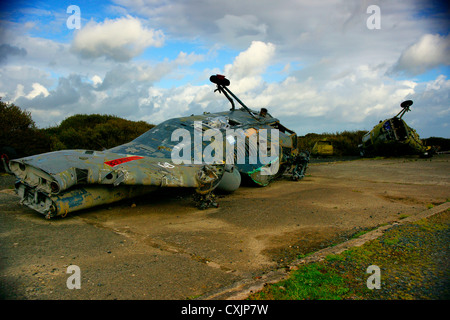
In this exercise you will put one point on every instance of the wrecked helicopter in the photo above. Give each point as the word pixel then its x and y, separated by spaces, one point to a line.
pixel 207 152
pixel 393 137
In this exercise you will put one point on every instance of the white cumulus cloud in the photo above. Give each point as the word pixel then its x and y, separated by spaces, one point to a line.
pixel 119 39
pixel 251 62
pixel 38 89
pixel 429 52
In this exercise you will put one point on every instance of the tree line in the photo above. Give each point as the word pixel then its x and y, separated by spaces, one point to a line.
pixel 344 143
pixel 20 137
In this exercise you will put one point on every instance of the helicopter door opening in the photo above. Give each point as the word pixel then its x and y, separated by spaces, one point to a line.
pixel 399 129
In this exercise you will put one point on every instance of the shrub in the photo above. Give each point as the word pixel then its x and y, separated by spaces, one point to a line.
pixel 94 132
pixel 19 136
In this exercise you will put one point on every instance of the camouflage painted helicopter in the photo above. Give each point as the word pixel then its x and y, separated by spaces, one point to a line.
pixel 393 137
pixel 60 182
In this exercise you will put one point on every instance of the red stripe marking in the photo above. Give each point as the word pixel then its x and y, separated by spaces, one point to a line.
pixel 113 163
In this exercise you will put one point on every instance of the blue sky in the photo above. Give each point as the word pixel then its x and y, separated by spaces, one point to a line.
pixel 317 66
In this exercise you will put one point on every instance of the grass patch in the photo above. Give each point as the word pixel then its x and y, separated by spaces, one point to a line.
pixel 313 281
pixel 362 232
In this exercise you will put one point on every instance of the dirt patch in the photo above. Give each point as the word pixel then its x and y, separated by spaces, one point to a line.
pixel 295 245
pixel 6 181
pixel 411 200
